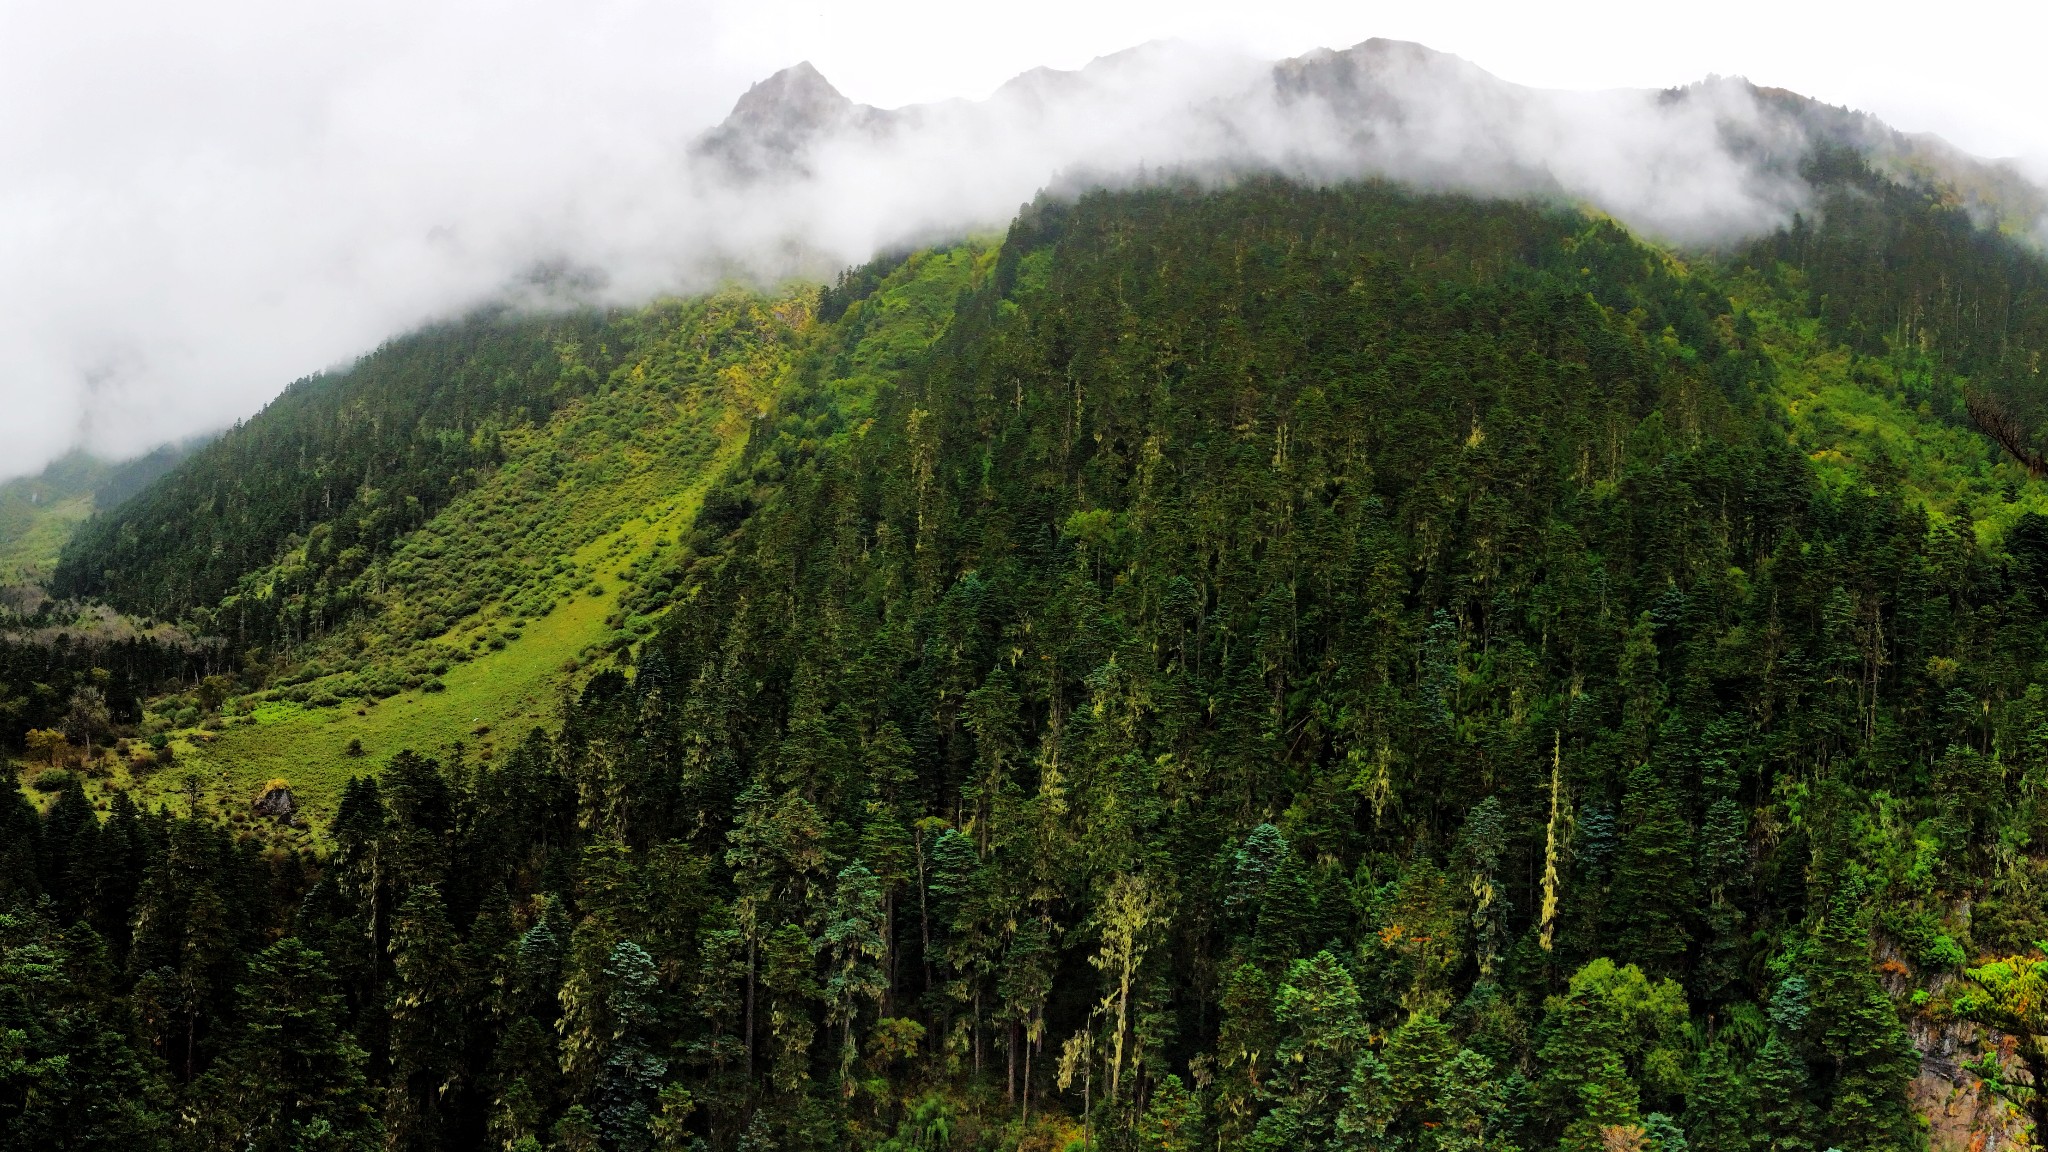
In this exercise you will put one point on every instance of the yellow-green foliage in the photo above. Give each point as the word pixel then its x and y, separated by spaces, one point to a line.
pixel 1872 421
pixel 34 534
pixel 485 702
pixel 492 611
pixel 38 513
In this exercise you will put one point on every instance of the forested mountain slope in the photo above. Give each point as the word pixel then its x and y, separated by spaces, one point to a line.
pixel 1274 667
pixel 547 557
pixel 557 558
pixel 372 452
pixel 38 513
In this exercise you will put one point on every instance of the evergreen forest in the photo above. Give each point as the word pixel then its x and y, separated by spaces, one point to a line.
pixel 1269 667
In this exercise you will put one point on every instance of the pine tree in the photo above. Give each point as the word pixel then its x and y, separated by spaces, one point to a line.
pixel 291 1078
pixel 1856 1029
pixel 19 830
pixel 1483 841
pixel 1610 1037
pixel 1720 1106
pixel 853 942
pixel 1322 1033
pixel 1468 1100
pixel 69 1077
pixel 632 1070
pixel 1784 1090
pixel 426 1021
pixel 1652 903
pixel 789 975
pixel 1173 1120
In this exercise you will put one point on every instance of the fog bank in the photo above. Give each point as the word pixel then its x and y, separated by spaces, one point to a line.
pixel 199 215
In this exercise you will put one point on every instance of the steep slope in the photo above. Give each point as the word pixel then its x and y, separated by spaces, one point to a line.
pixel 371 452
pixel 39 513
pixel 1277 667
pixel 1396 636
pixel 485 619
pixel 478 616
pixel 1280 666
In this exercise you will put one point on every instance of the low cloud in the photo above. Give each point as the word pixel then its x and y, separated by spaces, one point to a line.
pixel 171 256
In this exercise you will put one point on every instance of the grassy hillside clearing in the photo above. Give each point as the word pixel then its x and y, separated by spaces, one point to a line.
pixel 482 703
pixel 1889 423
pixel 496 607
pixel 39 513
pixel 496 611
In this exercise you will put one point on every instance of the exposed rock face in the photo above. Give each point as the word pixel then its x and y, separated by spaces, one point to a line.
pixel 1704 163
pixel 277 803
pixel 1961 1115
pixel 776 122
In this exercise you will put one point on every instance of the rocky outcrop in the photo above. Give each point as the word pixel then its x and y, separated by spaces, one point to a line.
pixel 277 803
pixel 1962 1116
pixel 776 122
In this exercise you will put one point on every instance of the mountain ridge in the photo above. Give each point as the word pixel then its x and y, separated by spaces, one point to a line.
pixel 1385 108
pixel 1306 666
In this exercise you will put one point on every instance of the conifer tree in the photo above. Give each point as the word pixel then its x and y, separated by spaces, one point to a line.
pixel 853 940
pixel 633 1069
pixel 1784 1095
pixel 1652 900
pixel 1857 1031
pixel 1720 1106
pixel 426 1021
pixel 291 1077
pixel 1322 1033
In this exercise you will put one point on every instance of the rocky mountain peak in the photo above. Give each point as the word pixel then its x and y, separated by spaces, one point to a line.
pixel 775 122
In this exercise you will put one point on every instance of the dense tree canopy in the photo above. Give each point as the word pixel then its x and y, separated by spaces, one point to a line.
pixel 1284 668
pixel 362 455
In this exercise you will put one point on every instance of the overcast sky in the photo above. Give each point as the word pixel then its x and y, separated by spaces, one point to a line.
pixel 202 201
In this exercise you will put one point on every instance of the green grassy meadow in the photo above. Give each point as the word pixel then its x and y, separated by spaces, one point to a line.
pixel 1863 420
pixel 499 608
pixel 32 547
pixel 504 603
pixel 486 704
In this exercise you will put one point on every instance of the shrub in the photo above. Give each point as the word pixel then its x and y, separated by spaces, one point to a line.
pixel 51 780
pixel 1943 952
pixel 48 744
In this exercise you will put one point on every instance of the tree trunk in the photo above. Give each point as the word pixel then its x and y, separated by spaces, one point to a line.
pixel 1027 1081
pixel 888 951
pixel 924 916
pixel 2036 1059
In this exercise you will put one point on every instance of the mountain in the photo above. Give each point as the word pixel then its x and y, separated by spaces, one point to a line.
pixel 780 119
pixel 1259 662
pixel 1709 163
pixel 38 513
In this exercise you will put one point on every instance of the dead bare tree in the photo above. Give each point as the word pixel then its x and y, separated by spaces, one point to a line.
pixel 1995 421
